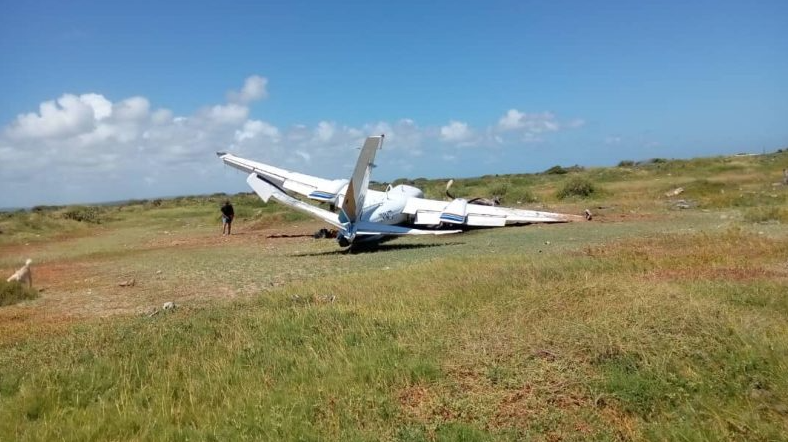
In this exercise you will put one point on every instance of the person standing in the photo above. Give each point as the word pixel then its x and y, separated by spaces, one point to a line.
pixel 227 217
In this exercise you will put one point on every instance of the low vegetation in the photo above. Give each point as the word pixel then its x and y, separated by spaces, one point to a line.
pixel 767 215
pixel 648 323
pixel 86 214
pixel 14 292
pixel 577 186
pixel 556 170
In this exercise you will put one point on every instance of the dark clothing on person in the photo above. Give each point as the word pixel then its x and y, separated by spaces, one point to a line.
pixel 227 210
pixel 227 218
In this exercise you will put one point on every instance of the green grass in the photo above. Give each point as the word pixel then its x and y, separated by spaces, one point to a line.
pixel 565 344
pixel 576 187
pixel 14 292
pixel 651 324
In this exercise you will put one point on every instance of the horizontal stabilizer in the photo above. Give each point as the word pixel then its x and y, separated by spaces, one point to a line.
pixel 267 191
pixel 262 188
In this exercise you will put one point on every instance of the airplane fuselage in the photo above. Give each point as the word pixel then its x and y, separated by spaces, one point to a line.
pixel 387 207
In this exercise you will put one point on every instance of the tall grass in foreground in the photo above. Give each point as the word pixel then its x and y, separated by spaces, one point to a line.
pixel 670 337
pixel 14 292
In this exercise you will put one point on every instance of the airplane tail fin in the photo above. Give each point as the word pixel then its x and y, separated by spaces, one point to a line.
pixel 357 188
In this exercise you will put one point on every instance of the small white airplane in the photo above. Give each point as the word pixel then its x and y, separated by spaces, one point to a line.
pixel 367 215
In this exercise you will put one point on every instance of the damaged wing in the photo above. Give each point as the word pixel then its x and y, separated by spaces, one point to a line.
pixel 460 212
pixel 313 187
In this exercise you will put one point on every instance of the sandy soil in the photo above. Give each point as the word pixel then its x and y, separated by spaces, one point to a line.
pixel 83 288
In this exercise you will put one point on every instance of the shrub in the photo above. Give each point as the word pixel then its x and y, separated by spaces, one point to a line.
pixel 399 181
pixel 13 292
pixel 626 163
pixel 576 186
pixel 523 196
pixel 43 209
pixel 499 189
pixel 555 170
pixel 86 214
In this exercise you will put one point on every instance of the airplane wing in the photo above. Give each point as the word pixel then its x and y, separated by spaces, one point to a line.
pixel 267 191
pixel 461 213
pixel 316 188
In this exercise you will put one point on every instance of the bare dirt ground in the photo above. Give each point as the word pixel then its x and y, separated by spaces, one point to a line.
pixel 91 283
pixel 90 287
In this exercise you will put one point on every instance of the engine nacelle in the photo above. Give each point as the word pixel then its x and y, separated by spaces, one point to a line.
pixel 404 191
pixel 455 212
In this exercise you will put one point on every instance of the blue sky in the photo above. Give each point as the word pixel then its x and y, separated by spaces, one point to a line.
pixel 114 100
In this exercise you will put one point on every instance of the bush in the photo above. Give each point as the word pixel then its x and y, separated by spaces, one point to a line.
pixel 523 196
pixel 555 170
pixel 13 292
pixel 576 186
pixel 86 214
pixel 626 163
pixel 39 209
pixel 499 189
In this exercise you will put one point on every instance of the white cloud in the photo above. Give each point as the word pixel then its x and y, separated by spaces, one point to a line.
pixel 93 148
pixel 455 131
pixel 298 133
pixel 512 119
pixel 134 108
pixel 404 135
pixel 253 128
pixel 228 114
pixel 102 108
pixel 161 116
pixel 381 127
pixel 67 116
pixel 325 131
pixel 531 123
pixel 254 89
